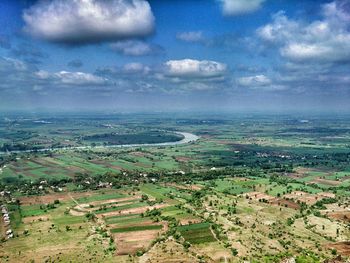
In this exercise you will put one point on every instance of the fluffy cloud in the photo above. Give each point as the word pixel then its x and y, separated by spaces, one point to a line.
pixel 191 36
pixel 238 7
pixel 260 82
pixel 72 78
pixel 136 48
pixel 322 41
pixel 254 81
pixel 190 68
pixel 76 22
pixel 174 76
pixel 80 78
pixel 136 67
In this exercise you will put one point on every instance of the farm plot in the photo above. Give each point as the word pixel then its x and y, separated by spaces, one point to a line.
pixel 133 232
pixel 262 197
pixel 129 242
pixel 232 187
pixel 125 220
pixel 130 230
pixel 337 212
pixel 108 203
pixel 182 216
pixel 46 168
pixel 197 233
pixel 307 198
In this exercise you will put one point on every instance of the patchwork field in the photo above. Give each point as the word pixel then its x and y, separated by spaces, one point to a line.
pixel 249 190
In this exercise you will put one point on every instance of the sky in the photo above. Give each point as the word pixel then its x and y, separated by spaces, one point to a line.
pixel 175 55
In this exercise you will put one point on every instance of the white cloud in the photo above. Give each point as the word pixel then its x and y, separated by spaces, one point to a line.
pixel 254 81
pixel 303 51
pixel 79 78
pixel 17 64
pixel 191 36
pixel 71 78
pixel 326 40
pixel 279 30
pixel 238 7
pixel 195 68
pixel 260 82
pixel 136 67
pixel 88 21
pixel 135 48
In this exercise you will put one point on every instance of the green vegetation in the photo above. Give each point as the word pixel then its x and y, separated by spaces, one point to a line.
pixel 197 233
pixel 257 189
pixel 136 228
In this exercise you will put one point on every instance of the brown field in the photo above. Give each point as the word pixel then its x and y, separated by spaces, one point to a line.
pixel 326 182
pixel 31 219
pixel 139 154
pixel 49 198
pixel 137 210
pixel 131 242
pixel 169 252
pixel 301 172
pixel 307 198
pixel 183 159
pixel 187 221
pixel 343 248
pixel 326 195
pixel 185 187
pixel 272 200
pixel 340 215
pixel 285 203
pixel 258 196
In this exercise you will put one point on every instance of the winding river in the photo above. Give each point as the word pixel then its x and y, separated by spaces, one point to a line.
pixel 188 137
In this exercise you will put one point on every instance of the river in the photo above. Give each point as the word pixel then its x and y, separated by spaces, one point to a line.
pixel 188 137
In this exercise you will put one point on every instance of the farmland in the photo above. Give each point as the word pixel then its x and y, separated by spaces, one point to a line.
pixel 251 188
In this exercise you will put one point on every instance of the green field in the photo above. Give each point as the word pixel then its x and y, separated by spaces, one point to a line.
pixel 197 233
pixel 253 188
pixel 136 228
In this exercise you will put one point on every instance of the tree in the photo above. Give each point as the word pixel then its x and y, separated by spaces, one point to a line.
pixel 234 251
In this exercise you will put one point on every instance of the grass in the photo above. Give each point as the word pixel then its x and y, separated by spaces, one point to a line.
pixel 197 233
pixel 121 207
pixel 101 197
pixel 15 216
pixel 69 220
pixel 32 210
pixel 136 228
pixel 155 191
pixel 179 214
pixel 117 203
pixel 128 220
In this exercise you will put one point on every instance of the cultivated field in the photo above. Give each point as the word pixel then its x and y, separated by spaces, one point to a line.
pixel 249 190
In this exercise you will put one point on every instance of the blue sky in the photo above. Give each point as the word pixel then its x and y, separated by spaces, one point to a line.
pixel 161 55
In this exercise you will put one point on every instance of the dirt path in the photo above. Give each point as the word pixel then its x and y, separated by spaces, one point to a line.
pixel 71 197
pixel 212 232
pixel 98 221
